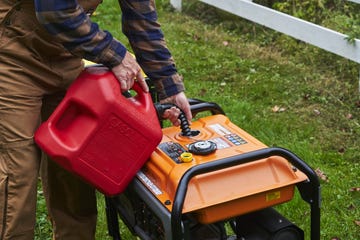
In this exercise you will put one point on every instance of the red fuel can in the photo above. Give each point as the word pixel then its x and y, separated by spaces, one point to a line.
pixel 100 135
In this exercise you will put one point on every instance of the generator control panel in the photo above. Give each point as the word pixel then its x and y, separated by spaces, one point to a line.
pixel 172 150
pixel 205 140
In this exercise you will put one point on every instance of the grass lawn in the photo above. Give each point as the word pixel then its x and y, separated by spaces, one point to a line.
pixel 305 100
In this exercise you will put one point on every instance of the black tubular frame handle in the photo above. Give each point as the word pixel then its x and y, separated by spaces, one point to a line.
pixel 312 195
pixel 198 106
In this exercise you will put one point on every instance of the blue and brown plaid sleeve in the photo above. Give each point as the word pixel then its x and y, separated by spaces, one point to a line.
pixel 68 22
pixel 140 25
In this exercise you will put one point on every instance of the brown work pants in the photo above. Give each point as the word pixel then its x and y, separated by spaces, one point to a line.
pixel 34 73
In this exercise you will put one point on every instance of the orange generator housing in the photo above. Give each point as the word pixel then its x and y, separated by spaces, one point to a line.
pixel 225 193
pixel 216 174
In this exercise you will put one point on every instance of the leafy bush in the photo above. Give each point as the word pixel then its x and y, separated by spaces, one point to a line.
pixel 340 15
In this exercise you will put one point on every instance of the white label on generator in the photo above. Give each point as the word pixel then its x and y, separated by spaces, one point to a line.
pixel 219 129
pixel 153 188
pixel 220 143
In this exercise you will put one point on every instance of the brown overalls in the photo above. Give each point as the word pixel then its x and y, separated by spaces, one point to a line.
pixel 34 73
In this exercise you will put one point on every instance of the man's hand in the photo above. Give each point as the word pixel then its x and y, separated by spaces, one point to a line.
pixel 129 71
pixel 173 113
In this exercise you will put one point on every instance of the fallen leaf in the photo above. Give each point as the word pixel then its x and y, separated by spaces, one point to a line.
pixel 196 37
pixel 355 189
pixel 351 207
pixel 321 175
pixel 349 116
pixel 317 112
pixel 357 222
pixel 341 150
pixel 357 103
pixel 306 96
pixel 277 109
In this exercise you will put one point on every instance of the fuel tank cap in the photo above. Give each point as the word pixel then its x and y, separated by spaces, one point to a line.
pixel 202 147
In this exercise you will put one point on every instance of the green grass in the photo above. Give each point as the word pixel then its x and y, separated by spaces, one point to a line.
pixel 250 72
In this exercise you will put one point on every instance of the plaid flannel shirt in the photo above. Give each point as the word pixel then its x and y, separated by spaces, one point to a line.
pixel 71 25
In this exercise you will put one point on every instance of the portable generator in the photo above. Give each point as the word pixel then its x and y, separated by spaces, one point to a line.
pixel 200 182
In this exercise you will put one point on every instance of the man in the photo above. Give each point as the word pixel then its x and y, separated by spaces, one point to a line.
pixel 42 44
